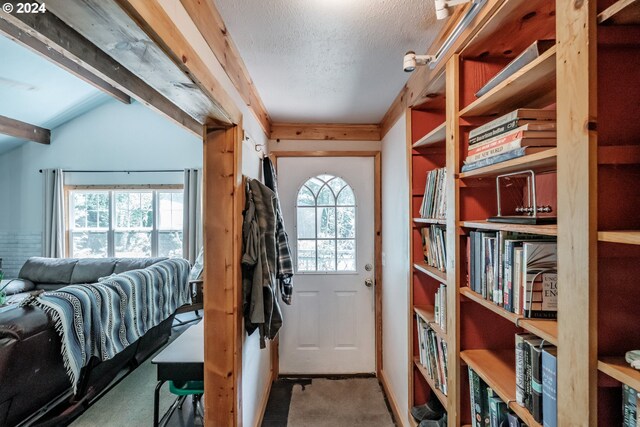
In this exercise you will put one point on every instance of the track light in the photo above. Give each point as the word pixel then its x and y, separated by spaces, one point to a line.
pixel 442 7
pixel 411 60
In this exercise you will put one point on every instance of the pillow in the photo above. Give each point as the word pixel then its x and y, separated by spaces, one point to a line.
pixel 16 286
pixel 198 266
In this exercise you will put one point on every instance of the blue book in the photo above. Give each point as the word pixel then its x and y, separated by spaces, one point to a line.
pixel 549 387
pixel 513 154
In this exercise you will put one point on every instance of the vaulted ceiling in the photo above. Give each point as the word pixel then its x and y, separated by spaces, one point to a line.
pixel 35 91
pixel 328 61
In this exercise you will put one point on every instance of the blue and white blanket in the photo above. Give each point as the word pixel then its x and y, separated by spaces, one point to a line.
pixel 102 319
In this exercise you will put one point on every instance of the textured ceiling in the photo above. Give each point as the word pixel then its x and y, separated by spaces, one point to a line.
pixel 328 61
pixel 35 91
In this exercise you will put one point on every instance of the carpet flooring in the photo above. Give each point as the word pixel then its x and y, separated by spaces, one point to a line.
pixel 130 402
pixel 322 402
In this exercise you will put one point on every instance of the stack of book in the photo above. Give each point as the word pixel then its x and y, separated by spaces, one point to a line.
pixel 516 271
pixel 520 132
pixel 434 203
pixel 433 354
pixel 630 413
pixel 434 246
pixel 440 308
pixel 536 378
pixel 487 409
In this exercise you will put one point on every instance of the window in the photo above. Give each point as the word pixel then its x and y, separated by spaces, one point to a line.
pixel 326 226
pixel 125 223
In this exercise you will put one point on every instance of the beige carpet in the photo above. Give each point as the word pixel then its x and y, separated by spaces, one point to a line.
pixel 339 403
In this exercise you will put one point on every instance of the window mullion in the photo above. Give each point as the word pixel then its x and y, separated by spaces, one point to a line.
pixel 111 250
pixel 154 232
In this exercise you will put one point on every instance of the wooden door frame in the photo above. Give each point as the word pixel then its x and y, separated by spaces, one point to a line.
pixel 223 202
pixel 377 204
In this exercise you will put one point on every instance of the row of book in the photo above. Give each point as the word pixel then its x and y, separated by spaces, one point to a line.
pixel 434 246
pixel 520 132
pixel 536 378
pixel 516 271
pixel 630 401
pixel 433 354
pixel 434 201
pixel 440 308
pixel 487 409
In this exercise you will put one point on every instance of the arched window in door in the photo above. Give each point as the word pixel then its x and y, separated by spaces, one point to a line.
pixel 326 226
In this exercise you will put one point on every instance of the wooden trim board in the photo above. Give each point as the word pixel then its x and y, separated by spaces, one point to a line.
pixel 263 404
pixel 325 132
pixel 223 198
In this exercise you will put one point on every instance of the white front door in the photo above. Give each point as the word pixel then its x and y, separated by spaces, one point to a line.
pixel 328 208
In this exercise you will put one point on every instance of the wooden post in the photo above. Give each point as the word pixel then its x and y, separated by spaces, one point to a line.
pixel 577 213
pixel 223 204
pixel 453 239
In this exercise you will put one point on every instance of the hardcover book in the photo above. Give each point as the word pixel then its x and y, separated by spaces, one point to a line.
pixel 549 387
pixel 520 116
pixel 521 387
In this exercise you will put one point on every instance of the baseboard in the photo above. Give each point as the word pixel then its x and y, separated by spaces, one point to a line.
pixel 392 400
pixel 263 403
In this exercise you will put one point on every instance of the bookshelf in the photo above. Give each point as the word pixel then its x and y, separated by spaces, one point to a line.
pixel 594 170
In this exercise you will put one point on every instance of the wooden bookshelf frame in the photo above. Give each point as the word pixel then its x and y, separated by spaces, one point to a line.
pixel 565 75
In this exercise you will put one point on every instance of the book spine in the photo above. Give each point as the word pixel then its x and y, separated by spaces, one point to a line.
pixel 507 276
pixel 509 155
pixel 517 280
pixel 549 390
pixel 496 142
pixel 493 412
pixel 495 151
pixel 536 383
pixel 472 396
pixel 520 370
pixel 493 132
pixel 527 376
pixel 493 124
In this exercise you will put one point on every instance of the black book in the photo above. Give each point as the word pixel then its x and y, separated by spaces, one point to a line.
pixel 536 382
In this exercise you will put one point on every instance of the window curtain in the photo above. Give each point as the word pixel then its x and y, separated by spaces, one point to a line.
pixel 192 214
pixel 54 238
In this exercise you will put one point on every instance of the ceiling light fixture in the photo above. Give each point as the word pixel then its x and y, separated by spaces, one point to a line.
pixel 411 59
pixel 442 7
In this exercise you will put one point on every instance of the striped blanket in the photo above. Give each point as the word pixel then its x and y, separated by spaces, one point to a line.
pixel 102 319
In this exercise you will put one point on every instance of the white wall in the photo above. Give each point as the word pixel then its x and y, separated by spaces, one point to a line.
pixel 113 136
pixel 256 363
pixel 395 264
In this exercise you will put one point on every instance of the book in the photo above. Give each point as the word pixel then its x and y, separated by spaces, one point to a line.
pixel 540 260
pixel 509 142
pixel 476 389
pixel 474 421
pixel 434 246
pixel 629 406
pixel 513 420
pixel 530 343
pixel 504 149
pixel 434 201
pixel 540 125
pixel 521 347
pixel 541 135
pixel 497 411
pixel 515 115
pixel 509 155
pixel 517 280
pixel 549 387
pixel 536 383
pixel 527 56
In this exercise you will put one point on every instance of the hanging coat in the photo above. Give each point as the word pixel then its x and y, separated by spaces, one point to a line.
pixel 259 261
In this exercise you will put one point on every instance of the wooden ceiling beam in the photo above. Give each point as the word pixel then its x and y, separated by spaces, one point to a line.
pixel 57 35
pixel 22 130
pixel 54 56
pixel 209 22
pixel 328 132
pixel 151 17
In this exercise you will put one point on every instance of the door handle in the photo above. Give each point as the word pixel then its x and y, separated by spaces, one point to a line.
pixel 368 283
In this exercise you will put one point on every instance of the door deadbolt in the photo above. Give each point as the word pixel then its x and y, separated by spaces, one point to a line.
pixel 368 267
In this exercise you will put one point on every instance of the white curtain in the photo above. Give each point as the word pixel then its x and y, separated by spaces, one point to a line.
pixel 53 239
pixel 192 214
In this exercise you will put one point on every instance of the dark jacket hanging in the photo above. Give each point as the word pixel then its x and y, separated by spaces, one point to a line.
pixel 285 265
